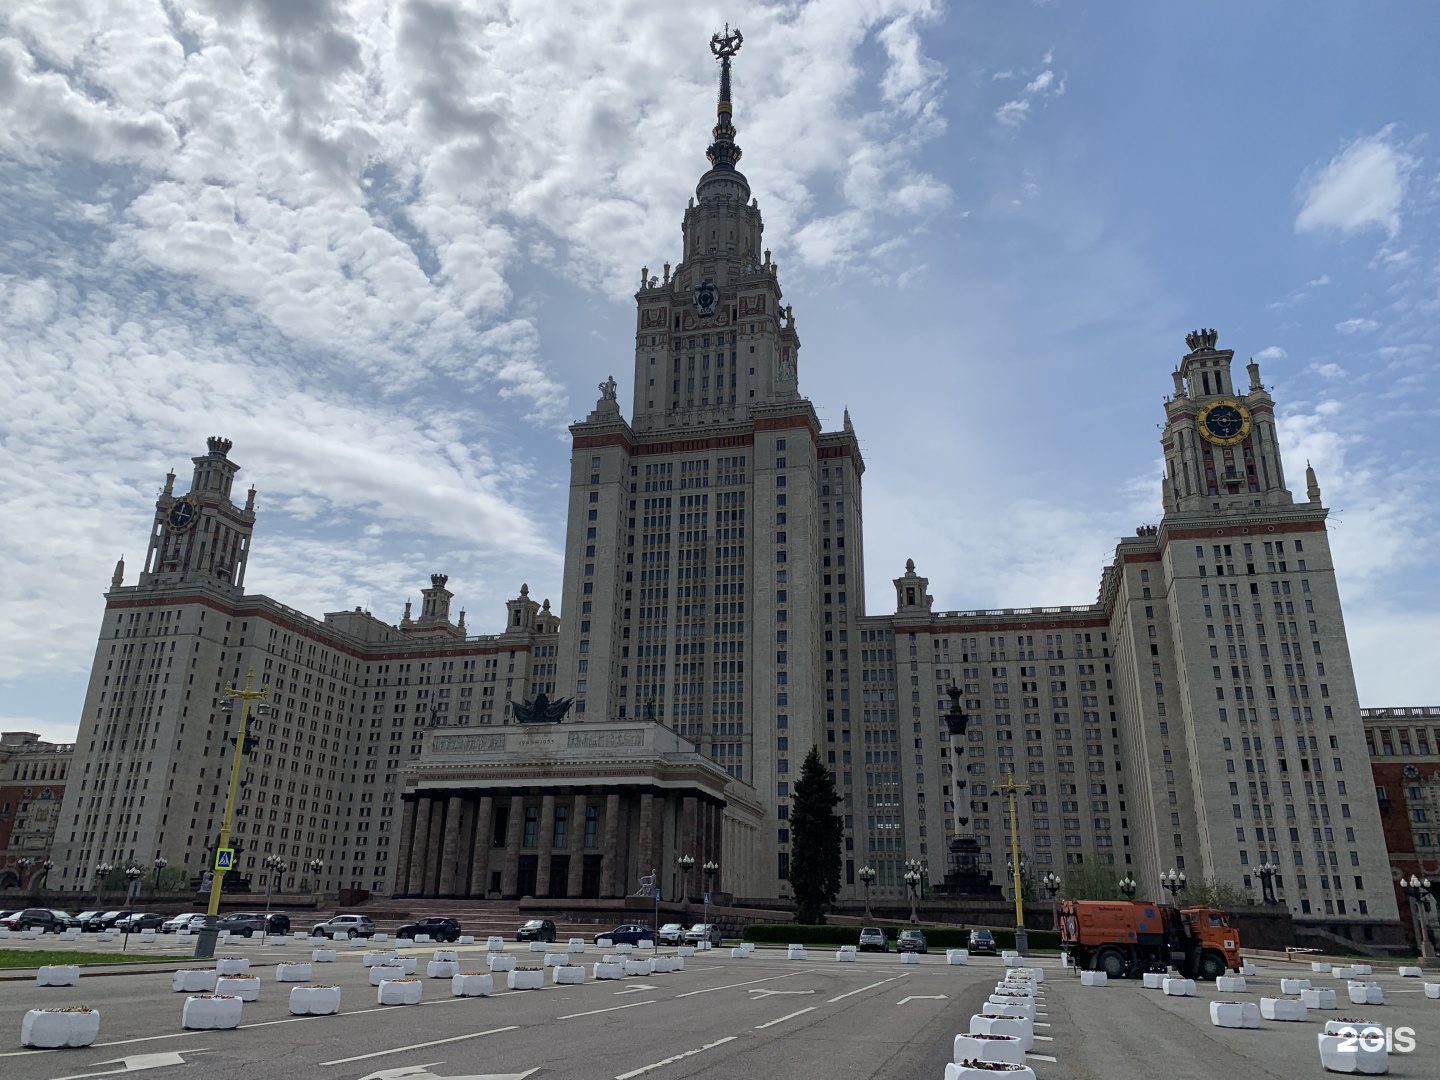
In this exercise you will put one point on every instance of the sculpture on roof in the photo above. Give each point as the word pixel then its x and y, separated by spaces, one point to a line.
pixel 542 710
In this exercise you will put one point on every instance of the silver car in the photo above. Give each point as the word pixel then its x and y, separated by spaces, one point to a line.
pixel 702 931
pixel 873 938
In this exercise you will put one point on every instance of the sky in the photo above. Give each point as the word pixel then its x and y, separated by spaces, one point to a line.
pixel 389 248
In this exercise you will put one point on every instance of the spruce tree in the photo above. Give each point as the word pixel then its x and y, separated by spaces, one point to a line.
pixel 816 833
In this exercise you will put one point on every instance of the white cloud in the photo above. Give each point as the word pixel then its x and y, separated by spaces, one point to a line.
pixel 1328 371
pixel 1044 85
pixel 1356 326
pixel 1013 113
pixel 1362 186
pixel 1271 352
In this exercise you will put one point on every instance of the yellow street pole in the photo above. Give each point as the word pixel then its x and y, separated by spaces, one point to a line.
pixel 246 696
pixel 1022 939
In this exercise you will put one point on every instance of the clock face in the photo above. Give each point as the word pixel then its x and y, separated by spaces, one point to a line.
pixel 1225 422
pixel 182 515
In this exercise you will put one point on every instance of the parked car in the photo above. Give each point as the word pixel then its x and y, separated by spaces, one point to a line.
pixel 911 941
pixel 105 920
pixel 672 933
pixel 536 930
pixel 250 923
pixel 71 922
pixel 872 939
pixel 345 926
pixel 179 922
pixel 703 931
pixel 80 920
pixel 31 917
pixel 196 923
pixel 438 927
pixel 982 941
pixel 628 934
pixel 133 924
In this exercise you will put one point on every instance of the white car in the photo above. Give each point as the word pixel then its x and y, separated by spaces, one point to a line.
pixel 672 933
pixel 179 922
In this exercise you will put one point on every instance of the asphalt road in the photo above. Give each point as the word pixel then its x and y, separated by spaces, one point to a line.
pixel 721 1018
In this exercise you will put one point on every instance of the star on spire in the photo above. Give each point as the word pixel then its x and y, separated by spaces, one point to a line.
pixel 723 153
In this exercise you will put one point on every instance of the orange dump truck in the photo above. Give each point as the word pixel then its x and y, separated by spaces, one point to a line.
pixel 1126 938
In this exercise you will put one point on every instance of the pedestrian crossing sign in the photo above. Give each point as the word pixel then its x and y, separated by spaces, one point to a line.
pixel 225 858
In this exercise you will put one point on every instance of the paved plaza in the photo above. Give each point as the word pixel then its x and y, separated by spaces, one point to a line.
pixel 722 1017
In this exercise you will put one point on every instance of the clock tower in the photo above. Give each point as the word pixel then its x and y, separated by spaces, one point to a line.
pixel 201 536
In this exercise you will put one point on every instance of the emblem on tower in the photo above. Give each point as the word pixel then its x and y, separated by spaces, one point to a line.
pixel 723 153
pixel 706 298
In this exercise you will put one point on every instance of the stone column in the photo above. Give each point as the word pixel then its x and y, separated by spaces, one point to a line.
pixel 656 854
pixel 647 832
pixel 689 841
pixel 419 847
pixel 513 828
pixel 575 884
pixel 434 847
pixel 402 857
pixel 547 845
pixel 450 845
pixel 611 850
pixel 480 860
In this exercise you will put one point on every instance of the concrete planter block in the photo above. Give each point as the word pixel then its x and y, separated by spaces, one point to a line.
pixel 526 979
pixel 639 967
pixel 314 1000
pixel 399 992
pixel 104 935
pixel 845 956
pixel 1010 1008
pixel 1340 972
pixel 210 1012
pixel 796 952
pixel 604 943
pixel 1320 967
pixel 624 947
pixel 465 939
pixel 1153 979
pixel 1351 1054
pixel 1235 1014
pixel 1178 987
pixel 576 945
pixel 569 975
pixel 277 939
pixel 958 957
pixel 53 1029
pixel 644 945
pixel 1005 954
pixel 34 933
pixel 498 962
pixel 442 969
pixel 1319 999
pixel 471 985
pixel 442 955
pixel 379 937
pixel 685 950
pixel 1230 984
pixel 1248 969
pixel 1362 969
pixel 358 943
pixel 909 958
pixel 1290 1009
pixel 147 937
pixel 538 946
pixel 406 963
pixel 749 948
pixel 58 975
pixel 1092 978
pixel 963 1071
pixel 4 934
pixel 1013 961
pixel 1411 972
pixel 660 965
pixel 374 959
pixel 990 1023
pixel 738 954
pixel 556 959
pixel 231 965
pixel 1350 1027
pixel 386 972
pixel 293 973
pixel 1294 986
pixel 193 981
pixel 322 956
pixel 1361 993
pixel 74 935
pixel 608 971
pixel 244 987
pixel 300 935
pixel 1432 991
pixel 1005 1049
pixel 421 939
pixel 495 944
pixel 614 958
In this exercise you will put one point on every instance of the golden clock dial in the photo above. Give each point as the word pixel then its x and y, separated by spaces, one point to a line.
pixel 1224 422
pixel 183 513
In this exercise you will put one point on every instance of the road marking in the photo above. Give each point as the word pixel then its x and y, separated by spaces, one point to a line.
pixel 922 997
pixel 613 1008
pixel 852 993
pixel 1039 1024
pixel 1040 1057
pixel 731 986
pixel 1046 1038
pixel 422 1072
pixel 421 1046
pixel 765 991
pixel 635 990
pixel 787 1016
pixel 671 1060
pixel 138 1063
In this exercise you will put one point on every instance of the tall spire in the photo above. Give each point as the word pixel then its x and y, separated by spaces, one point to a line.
pixel 723 153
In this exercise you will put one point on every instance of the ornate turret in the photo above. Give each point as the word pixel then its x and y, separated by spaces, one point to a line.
pixel 723 152
pixel 1312 485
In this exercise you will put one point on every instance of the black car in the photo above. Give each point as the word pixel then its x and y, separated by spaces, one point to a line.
pixel 536 930
pixel 982 941
pixel 105 920
pixel 250 923
pixel 629 934
pixel 911 941
pixel 29 918
pixel 135 923
pixel 438 927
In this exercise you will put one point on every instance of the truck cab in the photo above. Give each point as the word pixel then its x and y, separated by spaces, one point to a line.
pixel 1126 938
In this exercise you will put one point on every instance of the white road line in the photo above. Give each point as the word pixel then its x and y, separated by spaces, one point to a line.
pixel 787 1016
pixel 1039 1024
pixel 671 1060
pixel 634 990
pixel 731 986
pixel 1040 1057
pixel 1047 1038
pixel 421 1046
pixel 613 1008
pixel 852 993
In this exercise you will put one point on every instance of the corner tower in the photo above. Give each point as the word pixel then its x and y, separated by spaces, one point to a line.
pixel 201 536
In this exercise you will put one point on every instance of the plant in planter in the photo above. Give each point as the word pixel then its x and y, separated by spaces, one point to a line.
pixel 526 979
pixel 1349 1024
pixel 1319 999
pixel 991 1048
pixel 231 965
pixel 52 1029
pixel 989 1023
pixel 399 992
pixel 1353 1052
pixel 245 987
pixel 58 975
pixel 1235 1014
pixel 500 962
pixel 462 985
pixel 974 1070
pixel 205 1012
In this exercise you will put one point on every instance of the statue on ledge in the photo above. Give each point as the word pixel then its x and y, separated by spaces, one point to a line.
pixel 542 710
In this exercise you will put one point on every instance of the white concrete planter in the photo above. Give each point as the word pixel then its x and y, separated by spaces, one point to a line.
pixel 495 944
pixel 608 971
pixel 577 945
pixel 538 946
pixel 661 965
pixel 644 945
pixel 374 959
pixel 399 992
pixel 1006 954
pixel 408 964
pixel 958 957
pixel 244 987
pixel 796 952
pixel 1178 987
pixel 1294 986
pixel 962 1071
pixel 378 937
pixel 147 937
pixel 1235 1014
pixel 300 935
pixel 685 950
pixel 624 947
pixel 1230 984
pixel 526 979
pixel 1320 967
pixel 1283 1009
pixel 556 959
pixel 446 954
pixel 33 934
pixel 1153 979
pixel 1013 961
pixel 1092 978
pixel 277 939
pixel 74 935
pixel 569 975
pixel 193 981
pixel 1349 1054
pixel 1036 973
pixel 231 965
pixel 1248 969
pixel 1365 993
pixel 909 958
pixel 4 934
pixel 1361 969
pixel 183 935
pixel 471 985
pixel 614 958
pixel 1010 1008
pixel 58 975
pixel 322 956
pixel 739 954
pixel 1319 999
pixel 52 1029
pixel 988 1023
pixel 386 972
pixel 293 973
pixel 845 956
pixel 1411 972
pixel 442 969
pixel 208 1012
pixel 604 943
pixel 104 935
pixel 1005 1049
pixel 1347 1027
pixel 639 967
pixel 1343 972
pixel 465 939
pixel 357 943
pixel 1432 991
pixel 500 962
pixel 421 939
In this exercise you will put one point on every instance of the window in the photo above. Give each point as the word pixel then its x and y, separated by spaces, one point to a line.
pixel 532 827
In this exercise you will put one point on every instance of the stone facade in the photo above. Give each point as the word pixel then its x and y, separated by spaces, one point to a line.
pixel 33 774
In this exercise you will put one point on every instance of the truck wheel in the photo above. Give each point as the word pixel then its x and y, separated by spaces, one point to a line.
pixel 1212 966
pixel 1112 963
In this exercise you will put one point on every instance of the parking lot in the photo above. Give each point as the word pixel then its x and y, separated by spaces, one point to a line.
pixel 722 1017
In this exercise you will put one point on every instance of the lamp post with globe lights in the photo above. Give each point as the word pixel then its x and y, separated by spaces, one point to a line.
pixel 1419 892
pixel 316 865
pixel 915 875
pixel 710 869
pixel 1267 872
pixel 1051 884
pixel 867 878
pixel 102 871
pixel 133 874
pixel 1174 884
pixel 1128 886
pixel 276 865
pixel 160 863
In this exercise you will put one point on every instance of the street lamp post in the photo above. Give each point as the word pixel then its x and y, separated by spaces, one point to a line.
pixel 242 748
pixel 44 875
pixel 867 878
pixel 1051 884
pixel 316 865
pixel 1174 884
pixel 160 863
pixel 685 862
pixel 276 866
pixel 1128 886
pixel 24 864
pixel 1266 872
pixel 102 871
pixel 133 874
pixel 710 869
pixel 1418 891
pixel 1011 790
pixel 915 873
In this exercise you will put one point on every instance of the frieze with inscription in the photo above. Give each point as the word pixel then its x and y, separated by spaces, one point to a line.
pixel 466 744
pixel 597 740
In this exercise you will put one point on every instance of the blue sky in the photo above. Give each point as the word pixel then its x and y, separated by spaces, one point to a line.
pixel 389 249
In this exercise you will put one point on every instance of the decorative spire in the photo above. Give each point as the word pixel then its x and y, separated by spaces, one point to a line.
pixel 1312 485
pixel 117 579
pixel 723 153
